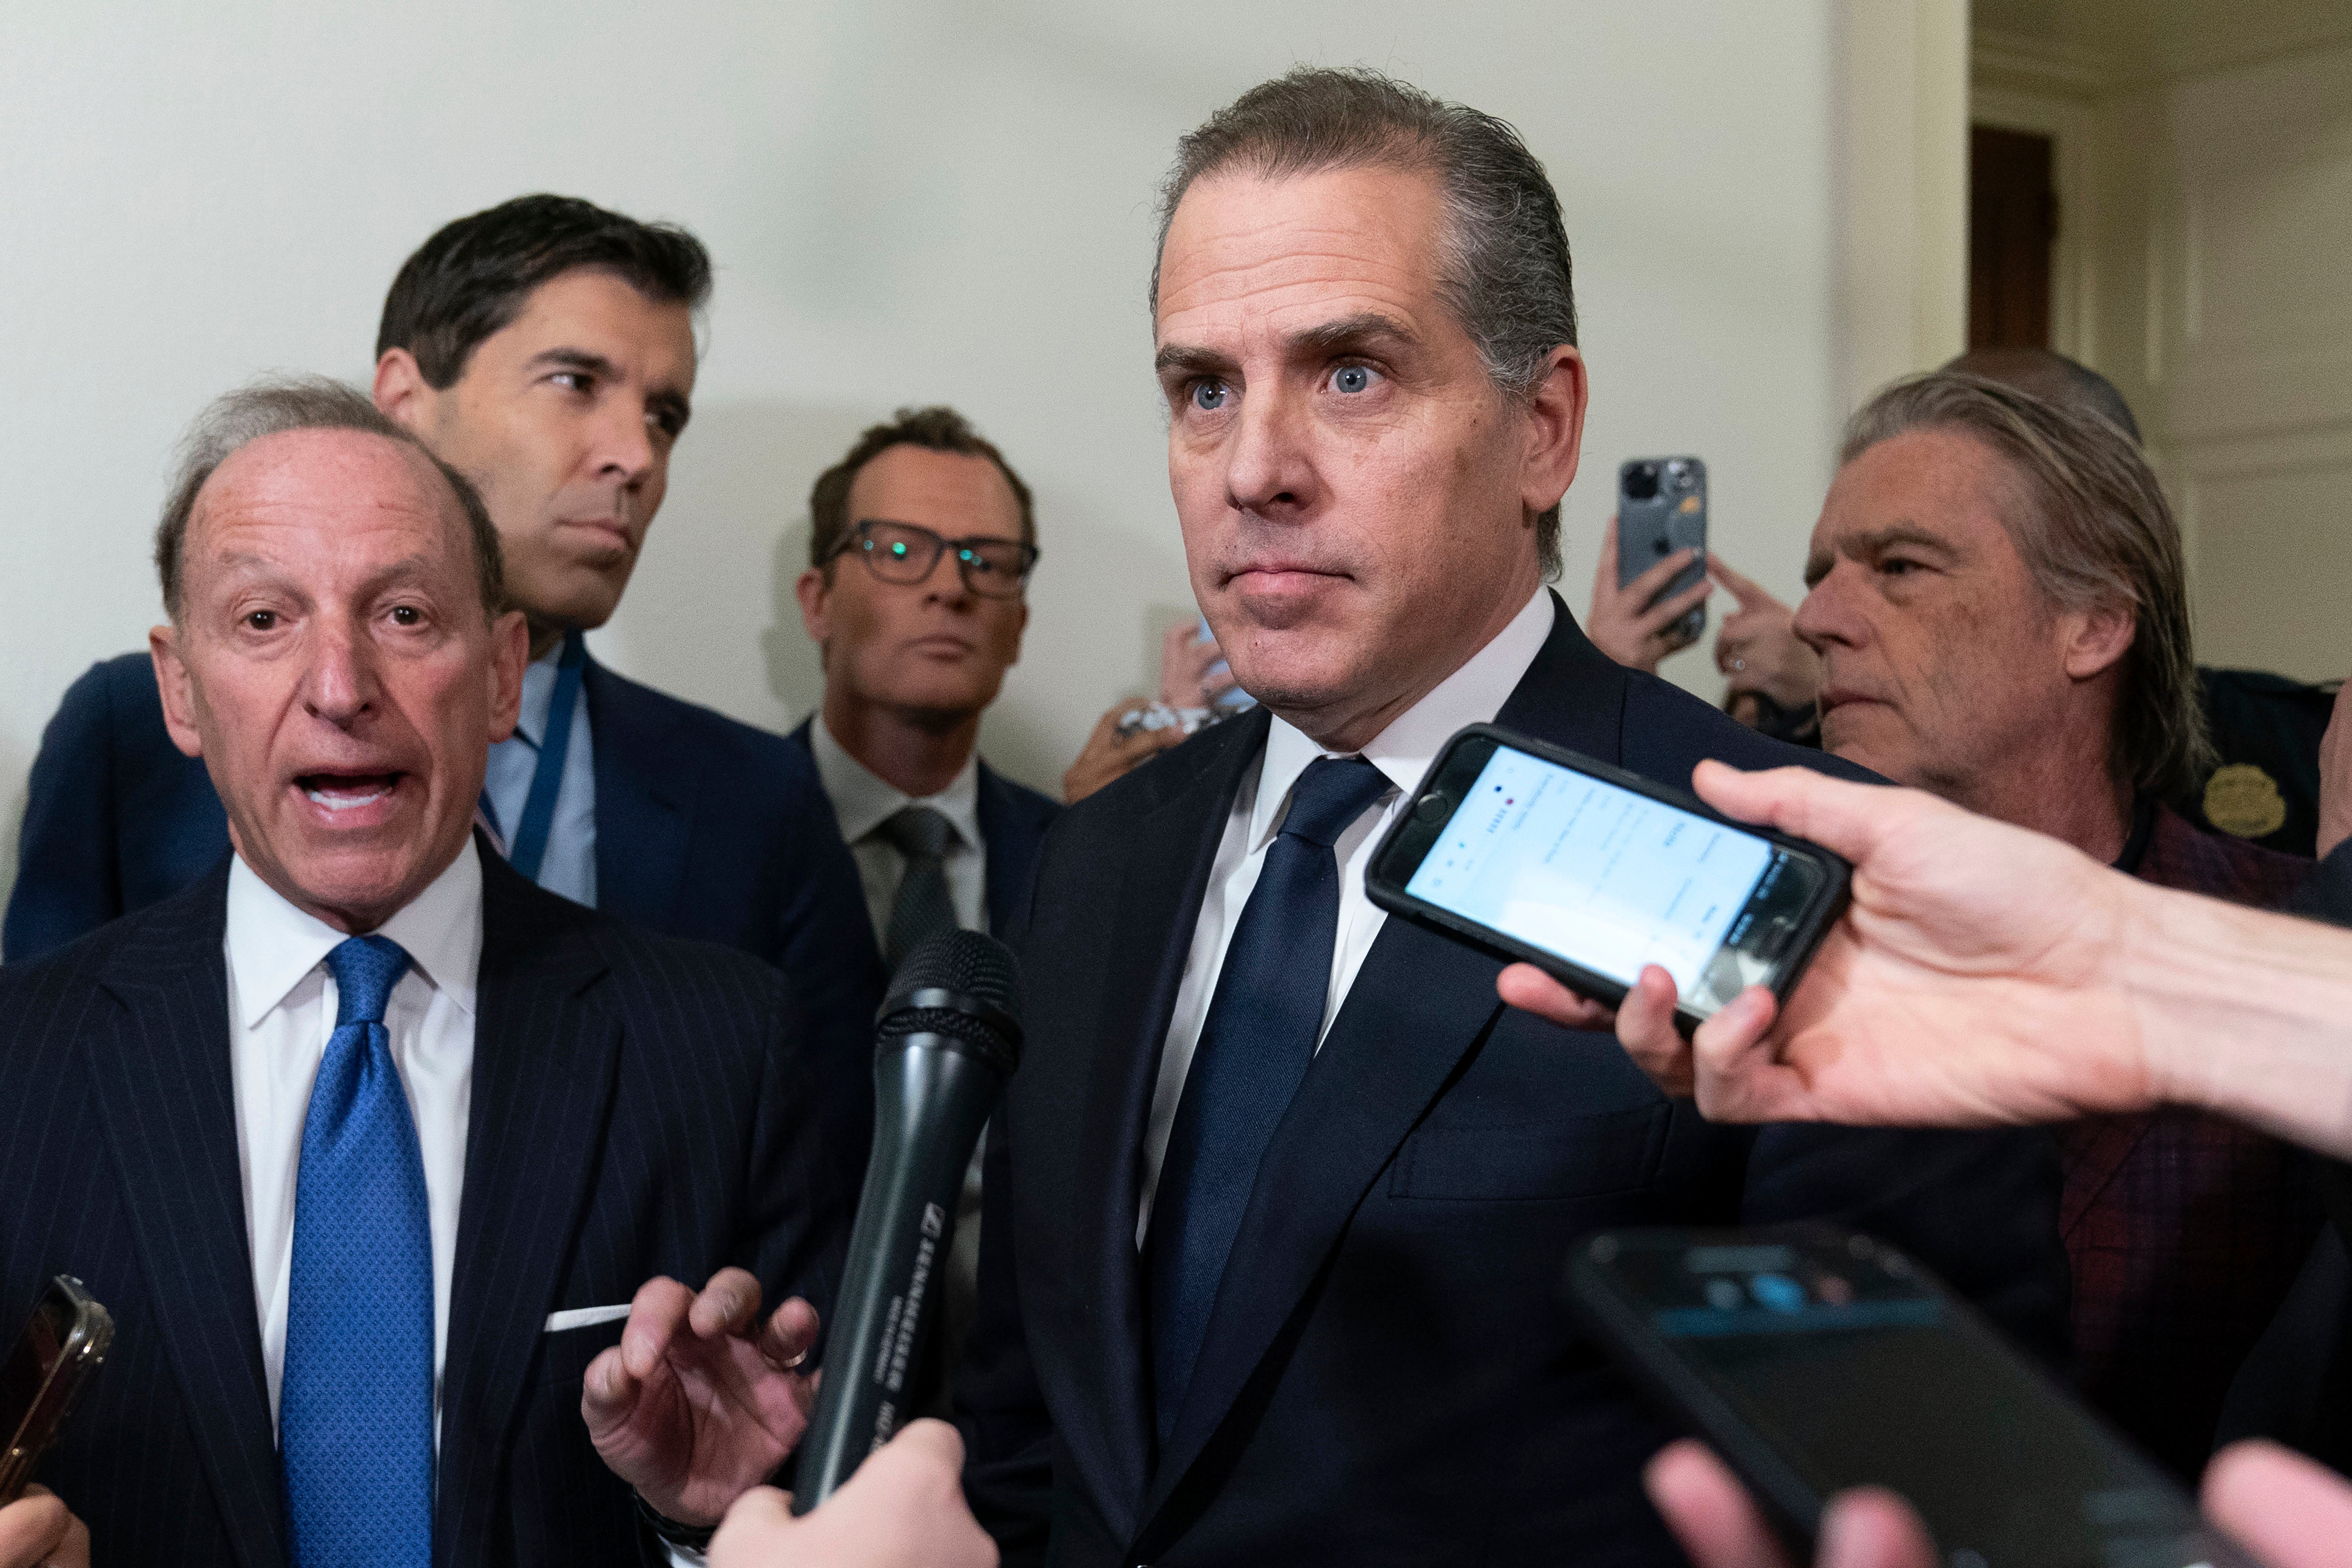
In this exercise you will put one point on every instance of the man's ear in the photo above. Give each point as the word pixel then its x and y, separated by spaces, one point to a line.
pixel 1555 417
pixel 2094 640
pixel 509 654
pixel 815 596
pixel 177 687
pixel 402 394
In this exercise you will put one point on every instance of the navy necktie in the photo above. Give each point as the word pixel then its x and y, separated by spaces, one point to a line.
pixel 1254 1048
pixel 355 1405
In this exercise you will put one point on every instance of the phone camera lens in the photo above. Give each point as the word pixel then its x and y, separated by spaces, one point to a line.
pixel 1642 481
pixel 1678 471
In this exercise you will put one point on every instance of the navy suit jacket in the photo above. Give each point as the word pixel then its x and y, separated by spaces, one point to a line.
pixel 641 1105
pixel 1388 1373
pixel 1013 821
pixel 704 828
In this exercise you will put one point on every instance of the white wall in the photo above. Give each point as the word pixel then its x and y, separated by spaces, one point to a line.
pixel 2205 190
pixel 907 202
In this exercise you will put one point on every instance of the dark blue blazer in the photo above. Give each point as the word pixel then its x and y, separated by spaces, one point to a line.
pixel 1388 1375
pixel 641 1105
pixel 1012 821
pixel 704 828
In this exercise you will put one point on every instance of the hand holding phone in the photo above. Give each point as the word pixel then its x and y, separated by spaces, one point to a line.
pixel 1816 1361
pixel 64 1341
pixel 1661 509
pixel 1532 852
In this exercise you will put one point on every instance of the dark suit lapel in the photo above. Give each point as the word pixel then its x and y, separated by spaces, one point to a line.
pixel 644 813
pixel 1011 836
pixel 1159 904
pixel 159 1070
pixel 546 1060
pixel 1418 1006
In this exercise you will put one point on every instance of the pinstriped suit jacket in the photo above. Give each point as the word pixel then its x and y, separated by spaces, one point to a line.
pixel 641 1105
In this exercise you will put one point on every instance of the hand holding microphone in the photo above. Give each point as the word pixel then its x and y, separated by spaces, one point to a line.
pixel 948 1038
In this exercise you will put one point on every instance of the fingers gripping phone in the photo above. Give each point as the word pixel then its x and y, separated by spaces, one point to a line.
pixel 1813 1360
pixel 63 1343
pixel 1532 852
pixel 1662 508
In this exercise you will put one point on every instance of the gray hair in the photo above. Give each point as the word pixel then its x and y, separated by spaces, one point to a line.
pixel 275 407
pixel 2095 533
pixel 1505 273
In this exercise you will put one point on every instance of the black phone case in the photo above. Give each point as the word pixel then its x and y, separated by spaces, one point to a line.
pixel 1389 893
pixel 1790 1503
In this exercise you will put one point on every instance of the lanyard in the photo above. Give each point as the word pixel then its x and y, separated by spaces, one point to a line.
pixel 529 846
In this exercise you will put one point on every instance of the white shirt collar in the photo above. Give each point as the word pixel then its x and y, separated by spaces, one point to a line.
pixel 862 800
pixel 273 946
pixel 1473 694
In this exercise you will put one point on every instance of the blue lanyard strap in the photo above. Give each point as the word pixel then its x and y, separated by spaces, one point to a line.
pixel 529 846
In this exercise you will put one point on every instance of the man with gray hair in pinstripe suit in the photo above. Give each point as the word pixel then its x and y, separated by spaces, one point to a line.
pixel 389 1164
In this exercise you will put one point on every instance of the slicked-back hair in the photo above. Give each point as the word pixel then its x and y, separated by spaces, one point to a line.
pixel 938 428
pixel 470 280
pixel 2095 533
pixel 1504 273
pixel 275 407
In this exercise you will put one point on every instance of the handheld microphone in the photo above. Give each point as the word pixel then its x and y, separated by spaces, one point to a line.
pixel 949 1037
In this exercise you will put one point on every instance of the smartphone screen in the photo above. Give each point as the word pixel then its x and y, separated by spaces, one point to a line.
pixel 1841 1364
pixel 1610 880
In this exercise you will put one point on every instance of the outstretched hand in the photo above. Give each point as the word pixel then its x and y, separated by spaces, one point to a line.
pixel 1969 983
pixel 700 1400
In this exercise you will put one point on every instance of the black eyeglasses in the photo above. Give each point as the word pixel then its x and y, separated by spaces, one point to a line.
pixel 906 553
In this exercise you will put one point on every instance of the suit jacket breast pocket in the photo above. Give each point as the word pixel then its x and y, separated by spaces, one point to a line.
pixel 1566 1157
pixel 564 1353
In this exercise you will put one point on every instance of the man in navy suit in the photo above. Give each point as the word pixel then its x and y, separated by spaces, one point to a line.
pixel 389 1163
pixel 1278 1200
pixel 545 349
pixel 921 541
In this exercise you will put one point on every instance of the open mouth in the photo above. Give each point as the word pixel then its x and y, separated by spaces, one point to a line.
pixel 347 792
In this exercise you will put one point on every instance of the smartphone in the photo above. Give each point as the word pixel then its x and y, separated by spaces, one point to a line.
pixel 1662 508
pixel 1588 873
pixel 62 1344
pixel 1812 1360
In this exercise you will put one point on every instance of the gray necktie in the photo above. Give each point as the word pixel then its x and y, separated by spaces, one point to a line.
pixel 922 908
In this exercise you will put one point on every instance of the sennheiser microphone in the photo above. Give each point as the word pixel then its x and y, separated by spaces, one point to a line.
pixel 948 1038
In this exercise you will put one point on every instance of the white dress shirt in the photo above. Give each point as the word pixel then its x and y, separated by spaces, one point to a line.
pixel 1473 694
pixel 568 866
pixel 281 1010
pixel 863 801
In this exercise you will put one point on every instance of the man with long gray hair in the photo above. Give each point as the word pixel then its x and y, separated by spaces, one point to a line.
pixel 1276 1204
pixel 1999 608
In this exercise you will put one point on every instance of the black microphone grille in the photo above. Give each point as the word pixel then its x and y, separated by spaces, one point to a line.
pixel 963 985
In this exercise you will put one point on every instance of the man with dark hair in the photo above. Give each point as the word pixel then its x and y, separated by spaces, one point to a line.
pixel 545 350
pixel 376 1151
pixel 920 543
pixel 1277 1201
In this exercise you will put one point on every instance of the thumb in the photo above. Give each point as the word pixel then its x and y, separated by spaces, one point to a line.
pixel 1850 818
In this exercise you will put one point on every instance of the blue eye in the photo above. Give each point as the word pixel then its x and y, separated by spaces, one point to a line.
pixel 1208 396
pixel 1351 379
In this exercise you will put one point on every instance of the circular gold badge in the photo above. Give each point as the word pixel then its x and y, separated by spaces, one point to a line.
pixel 2243 801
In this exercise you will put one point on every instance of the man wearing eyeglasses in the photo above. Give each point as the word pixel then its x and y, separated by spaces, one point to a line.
pixel 922 540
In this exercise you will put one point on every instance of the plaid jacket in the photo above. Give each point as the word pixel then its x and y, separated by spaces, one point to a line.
pixel 2184 1230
